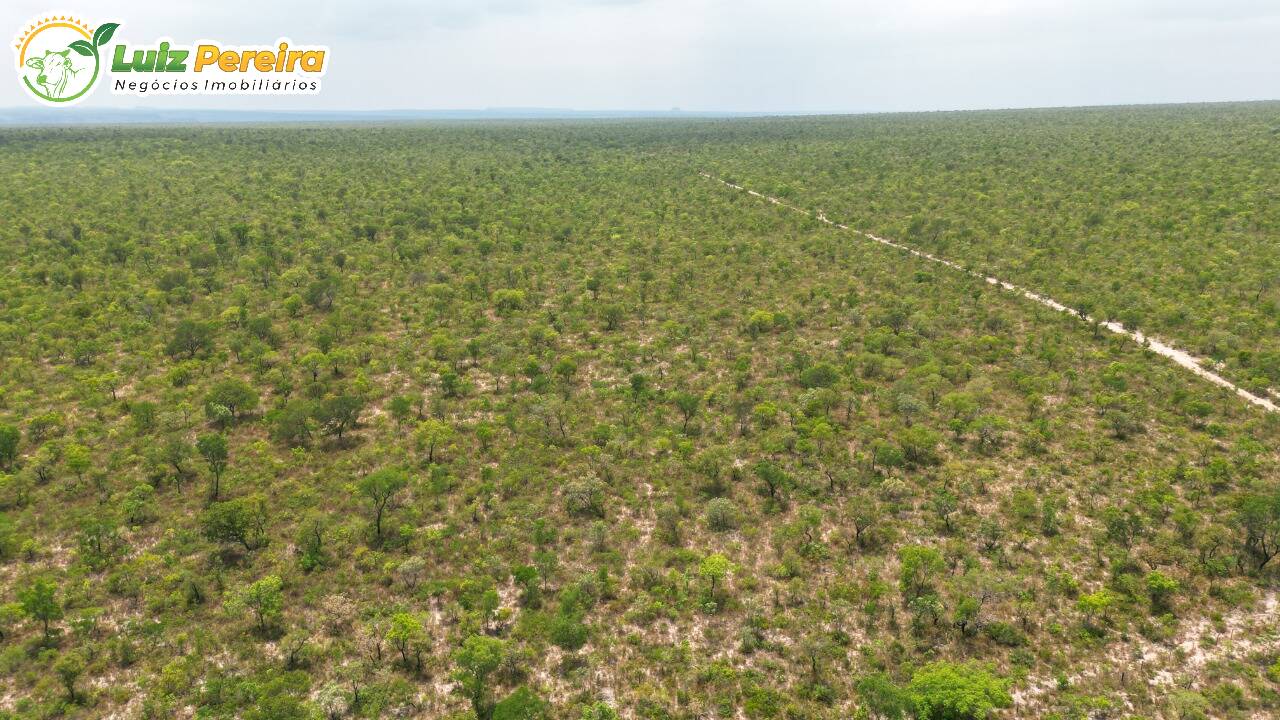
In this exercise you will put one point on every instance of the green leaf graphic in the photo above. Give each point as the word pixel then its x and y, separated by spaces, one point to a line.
pixel 82 47
pixel 104 33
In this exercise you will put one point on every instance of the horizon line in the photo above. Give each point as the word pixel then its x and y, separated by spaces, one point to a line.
pixel 72 115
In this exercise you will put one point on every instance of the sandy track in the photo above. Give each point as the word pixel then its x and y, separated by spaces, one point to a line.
pixel 1181 357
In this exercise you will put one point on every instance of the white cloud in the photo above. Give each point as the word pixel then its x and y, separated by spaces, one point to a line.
pixel 807 55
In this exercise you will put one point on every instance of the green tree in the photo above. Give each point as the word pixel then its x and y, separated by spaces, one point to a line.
pixel 919 446
pixel 1095 607
pixel 714 568
pixel 565 368
pixel 1161 588
pixel 585 497
pixel 666 527
pixel 521 704
pixel 507 301
pixel 40 603
pixel 966 614
pixel 881 698
pixel 311 541
pixel 213 447
pixel 950 691
pixel 688 404
pixel 760 322
pixel 407 636
pixel 139 504
pixel 476 660
pixel 263 598
pixel 10 615
pixel 338 414
pixel 321 292
pixel 191 338
pixel 69 667
pixel 612 315
pixel 380 488
pixel 775 479
pixel 432 435
pixel 599 711
pixel 721 515
pixel 15 492
pixel 9 439
pixel 98 538
pixel 77 459
pixel 401 408
pixel 293 423
pixel 1258 514
pixel 820 375
pixel 919 566
pixel 176 450
pixel 230 399
pixel 242 520
pixel 313 362
pixel 567 630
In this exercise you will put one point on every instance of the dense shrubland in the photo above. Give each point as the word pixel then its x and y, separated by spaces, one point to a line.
pixel 1162 218
pixel 528 420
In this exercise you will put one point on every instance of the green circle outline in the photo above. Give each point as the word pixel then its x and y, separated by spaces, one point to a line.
pixel 97 63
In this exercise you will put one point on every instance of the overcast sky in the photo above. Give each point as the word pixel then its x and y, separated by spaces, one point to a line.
pixel 739 55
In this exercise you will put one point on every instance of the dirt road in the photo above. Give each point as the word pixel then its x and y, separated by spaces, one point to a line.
pixel 1181 357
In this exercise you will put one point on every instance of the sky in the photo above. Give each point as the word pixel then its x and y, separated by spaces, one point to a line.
pixel 722 55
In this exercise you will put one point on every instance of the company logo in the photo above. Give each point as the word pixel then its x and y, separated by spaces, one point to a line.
pixel 61 58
